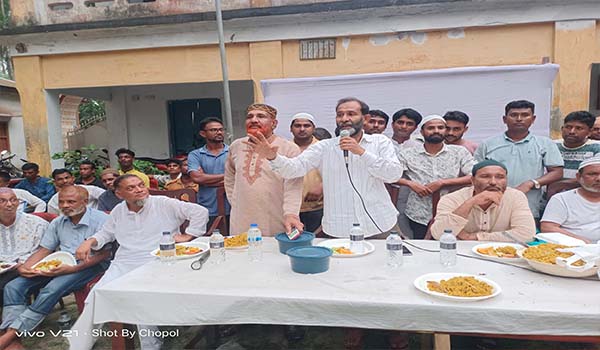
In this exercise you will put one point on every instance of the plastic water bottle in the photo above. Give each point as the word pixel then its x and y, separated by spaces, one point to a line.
pixel 394 247
pixel 254 243
pixel 167 248
pixel 217 247
pixel 64 321
pixel 448 249
pixel 357 239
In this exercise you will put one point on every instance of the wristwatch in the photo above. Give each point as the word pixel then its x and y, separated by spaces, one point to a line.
pixel 536 184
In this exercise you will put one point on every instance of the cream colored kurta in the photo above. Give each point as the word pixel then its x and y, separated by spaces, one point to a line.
pixel 512 216
pixel 257 194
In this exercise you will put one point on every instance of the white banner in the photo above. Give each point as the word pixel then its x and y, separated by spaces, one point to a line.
pixel 481 92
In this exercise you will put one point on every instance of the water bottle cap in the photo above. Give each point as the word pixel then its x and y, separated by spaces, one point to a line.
pixel 447 230
pixel 216 231
pixel 393 233
pixel 355 224
pixel 166 233
pixel 253 225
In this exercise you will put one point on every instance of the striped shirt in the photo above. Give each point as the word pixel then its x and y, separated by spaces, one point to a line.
pixel 369 173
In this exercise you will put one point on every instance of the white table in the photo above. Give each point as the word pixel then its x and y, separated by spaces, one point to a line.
pixel 358 292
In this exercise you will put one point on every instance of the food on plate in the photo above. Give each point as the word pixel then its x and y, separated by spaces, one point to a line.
pixel 240 240
pixel 463 286
pixel 341 250
pixel 500 252
pixel 182 250
pixel 48 265
pixel 547 253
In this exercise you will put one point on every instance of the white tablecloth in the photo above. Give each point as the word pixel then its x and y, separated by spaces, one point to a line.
pixel 357 292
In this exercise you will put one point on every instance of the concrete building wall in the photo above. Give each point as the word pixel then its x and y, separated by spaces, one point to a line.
pixel 574 45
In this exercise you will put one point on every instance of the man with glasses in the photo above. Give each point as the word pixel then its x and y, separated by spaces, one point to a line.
pixel 532 161
pixel 206 166
pixel 20 235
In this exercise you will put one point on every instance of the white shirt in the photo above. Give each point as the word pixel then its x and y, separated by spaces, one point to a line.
pixel 19 240
pixel 39 206
pixel 341 205
pixel 574 214
pixel 139 233
pixel 94 193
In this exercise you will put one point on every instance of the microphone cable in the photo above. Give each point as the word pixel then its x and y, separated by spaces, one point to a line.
pixel 361 199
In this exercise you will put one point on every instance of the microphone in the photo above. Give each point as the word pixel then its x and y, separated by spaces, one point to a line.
pixel 346 133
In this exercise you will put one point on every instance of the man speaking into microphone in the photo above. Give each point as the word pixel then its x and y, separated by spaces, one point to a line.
pixel 354 168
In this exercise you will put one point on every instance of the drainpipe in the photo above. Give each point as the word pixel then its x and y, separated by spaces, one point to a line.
pixel 226 95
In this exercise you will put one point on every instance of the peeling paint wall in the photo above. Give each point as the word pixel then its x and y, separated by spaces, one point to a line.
pixel 43 12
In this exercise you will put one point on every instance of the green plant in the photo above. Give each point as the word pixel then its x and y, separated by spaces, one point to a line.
pixel 91 108
pixel 147 167
pixel 73 158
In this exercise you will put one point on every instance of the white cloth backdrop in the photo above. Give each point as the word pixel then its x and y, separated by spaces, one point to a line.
pixel 481 92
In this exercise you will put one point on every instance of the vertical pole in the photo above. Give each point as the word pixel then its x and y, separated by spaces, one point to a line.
pixel 226 95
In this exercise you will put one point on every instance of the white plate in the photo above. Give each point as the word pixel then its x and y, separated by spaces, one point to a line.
pixel 242 247
pixel 66 258
pixel 345 242
pixel 559 238
pixel 200 245
pixel 8 267
pixel 497 245
pixel 556 270
pixel 421 284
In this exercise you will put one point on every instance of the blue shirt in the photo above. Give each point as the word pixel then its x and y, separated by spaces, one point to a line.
pixel 526 159
pixel 42 188
pixel 210 164
pixel 61 232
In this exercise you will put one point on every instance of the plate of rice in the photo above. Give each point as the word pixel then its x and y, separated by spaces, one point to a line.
pixel 542 257
pixel 457 286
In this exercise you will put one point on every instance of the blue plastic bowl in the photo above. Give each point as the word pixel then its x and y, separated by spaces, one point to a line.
pixel 285 243
pixel 309 259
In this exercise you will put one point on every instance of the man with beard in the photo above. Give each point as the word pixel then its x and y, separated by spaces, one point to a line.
pixel 456 127
pixel 486 211
pixel 376 122
pixel 206 166
pixel 430 168
pixel 65 233
pixel 576 213
pixel 137 225
pixel 258 194
pixel 311 212
pixel 532 161
pixel 369 163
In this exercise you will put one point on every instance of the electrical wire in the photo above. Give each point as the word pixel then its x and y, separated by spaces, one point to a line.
pixel 361 199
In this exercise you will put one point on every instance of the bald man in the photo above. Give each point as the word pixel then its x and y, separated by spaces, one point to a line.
pixel 67 232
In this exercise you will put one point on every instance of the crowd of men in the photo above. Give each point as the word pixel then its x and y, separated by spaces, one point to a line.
pixel 505 189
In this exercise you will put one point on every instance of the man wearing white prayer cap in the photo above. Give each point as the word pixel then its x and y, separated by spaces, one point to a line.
pixel 311 211
pixel 430 168
pixel 576 212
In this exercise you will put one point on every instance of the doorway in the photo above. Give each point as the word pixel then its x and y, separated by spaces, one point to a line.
pixel 184 121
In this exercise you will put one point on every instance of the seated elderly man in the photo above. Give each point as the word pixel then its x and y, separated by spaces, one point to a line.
pixel 487 211
pixel 20 235
pixel 576 212
pixel 66 233
pixel 137 224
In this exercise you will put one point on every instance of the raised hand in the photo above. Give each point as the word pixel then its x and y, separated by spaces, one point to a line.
pixel 261 145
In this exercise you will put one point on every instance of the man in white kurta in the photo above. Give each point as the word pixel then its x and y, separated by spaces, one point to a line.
pixel 372 162
pixel 137 224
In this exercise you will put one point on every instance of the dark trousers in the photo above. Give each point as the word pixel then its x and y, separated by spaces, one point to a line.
pixel 419 230
pixel 311 219
pixel 212 219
